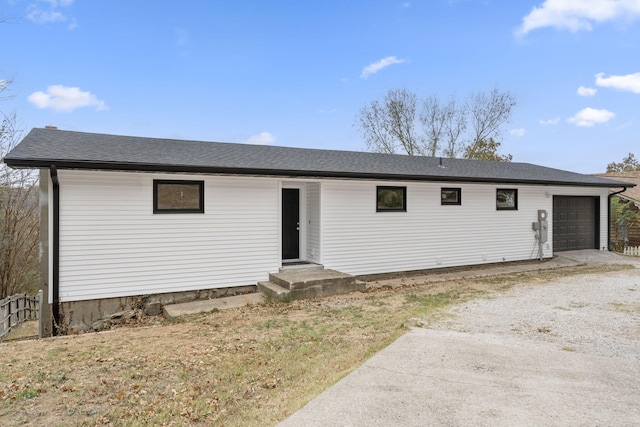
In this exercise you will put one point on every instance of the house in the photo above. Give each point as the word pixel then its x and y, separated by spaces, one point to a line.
pixel 129 219
pixel 626 233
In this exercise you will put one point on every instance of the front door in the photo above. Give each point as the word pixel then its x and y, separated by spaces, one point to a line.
pixel 290 223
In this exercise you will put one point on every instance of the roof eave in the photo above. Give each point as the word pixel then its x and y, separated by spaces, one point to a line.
pixel 148 167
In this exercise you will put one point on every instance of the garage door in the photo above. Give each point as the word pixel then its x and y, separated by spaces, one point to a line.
pixel 575 223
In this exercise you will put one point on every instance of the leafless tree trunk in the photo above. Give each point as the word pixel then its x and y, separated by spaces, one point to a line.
pixel 433 119
pixel 455 126
pixel 18 220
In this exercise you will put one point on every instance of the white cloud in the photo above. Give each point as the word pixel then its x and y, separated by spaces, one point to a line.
pixel 381 64
pixel 57 3
pixel 40 16
pixel 4 84
pixel 406 5
pixel 550 122
pixel 586 91
pixel 576 15
pixel 517 132
pixel 73 24
pixel 330 111
pixel 630 82
pixel 182 36
pixel 63 98
pixel 50 14
pixel 591 116
pixel 263 138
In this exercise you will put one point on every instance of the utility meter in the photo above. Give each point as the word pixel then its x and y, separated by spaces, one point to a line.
pixel 542 233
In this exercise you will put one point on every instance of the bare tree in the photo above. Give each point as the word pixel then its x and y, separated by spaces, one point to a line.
pixel 452 128
pixel 489 112
pixel 433 119
pixel 389 127
pixel 455 127
pixel 18 218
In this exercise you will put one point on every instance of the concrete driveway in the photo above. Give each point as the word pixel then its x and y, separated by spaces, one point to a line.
pixel 561 353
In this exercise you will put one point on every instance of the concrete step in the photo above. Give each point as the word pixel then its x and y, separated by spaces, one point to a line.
pixel 299 267
pixel 304 284
pixel 273 291
pixel 206 305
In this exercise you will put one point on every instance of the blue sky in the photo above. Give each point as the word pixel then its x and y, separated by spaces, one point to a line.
pixel 296 73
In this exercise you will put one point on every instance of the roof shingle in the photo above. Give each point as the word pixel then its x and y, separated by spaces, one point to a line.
pixel 69 149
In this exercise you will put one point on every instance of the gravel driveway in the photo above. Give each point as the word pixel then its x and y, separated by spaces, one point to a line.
pixel 593 314
pixel 560 353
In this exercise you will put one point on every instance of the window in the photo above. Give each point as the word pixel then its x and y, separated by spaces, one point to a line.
pixel 506 199
pixel 451 196
pixel 178 196
pixel 391 199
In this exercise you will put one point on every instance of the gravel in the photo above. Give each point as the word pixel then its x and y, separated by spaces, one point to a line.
pixel 596 314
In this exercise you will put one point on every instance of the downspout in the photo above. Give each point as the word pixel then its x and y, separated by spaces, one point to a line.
pixel 55 250
pixel 609 216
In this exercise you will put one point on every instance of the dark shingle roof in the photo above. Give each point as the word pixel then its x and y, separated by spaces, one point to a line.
pixel 67 149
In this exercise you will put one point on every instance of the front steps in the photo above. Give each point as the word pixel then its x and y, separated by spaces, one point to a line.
pixel 308 281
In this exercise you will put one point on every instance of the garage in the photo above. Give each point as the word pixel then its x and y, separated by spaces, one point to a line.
pixel 575 223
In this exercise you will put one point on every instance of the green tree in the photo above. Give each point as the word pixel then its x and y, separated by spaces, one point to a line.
pixel 486 150
pixel 629 163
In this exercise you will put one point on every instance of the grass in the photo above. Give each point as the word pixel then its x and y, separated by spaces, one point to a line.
pixel 251 366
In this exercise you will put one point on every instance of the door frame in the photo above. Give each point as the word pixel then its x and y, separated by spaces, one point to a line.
pixel 302 209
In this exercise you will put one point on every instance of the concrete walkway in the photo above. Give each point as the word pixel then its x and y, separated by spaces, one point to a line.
pixel 444 377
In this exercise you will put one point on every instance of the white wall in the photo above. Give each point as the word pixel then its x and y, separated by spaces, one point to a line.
pixel 359 240
pixel 313 210
pixel 111 243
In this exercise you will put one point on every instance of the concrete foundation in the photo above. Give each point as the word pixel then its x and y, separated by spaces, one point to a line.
pixel 95 315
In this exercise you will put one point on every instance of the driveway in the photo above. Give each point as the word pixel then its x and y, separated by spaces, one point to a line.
pixel 560 353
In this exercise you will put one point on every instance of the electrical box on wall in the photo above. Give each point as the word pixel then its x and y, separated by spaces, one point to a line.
pixel 542 215
pixel 542 233
pixel 541 227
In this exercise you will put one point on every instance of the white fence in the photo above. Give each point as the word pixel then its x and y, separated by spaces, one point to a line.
pixel 17 309
pixel 632 250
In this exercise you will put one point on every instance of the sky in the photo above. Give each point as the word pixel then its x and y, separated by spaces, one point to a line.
pixel 296 73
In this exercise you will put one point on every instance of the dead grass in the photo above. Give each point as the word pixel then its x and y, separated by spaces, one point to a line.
pixel 252 366
pixel 24 330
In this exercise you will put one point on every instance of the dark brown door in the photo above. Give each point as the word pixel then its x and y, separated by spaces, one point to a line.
pixel 290 223
pixel 575 223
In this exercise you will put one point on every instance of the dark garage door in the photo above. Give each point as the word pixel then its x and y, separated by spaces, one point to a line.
pixel 575 223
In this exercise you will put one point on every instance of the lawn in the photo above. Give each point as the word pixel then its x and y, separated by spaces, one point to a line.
pixel 251 366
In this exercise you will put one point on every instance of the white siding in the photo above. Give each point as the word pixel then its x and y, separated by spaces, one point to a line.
pixel 358 240
pixel 313 221
pixel 111 243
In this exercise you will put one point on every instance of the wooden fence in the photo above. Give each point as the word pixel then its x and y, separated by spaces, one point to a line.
pixel 632 250
pixel 17 309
